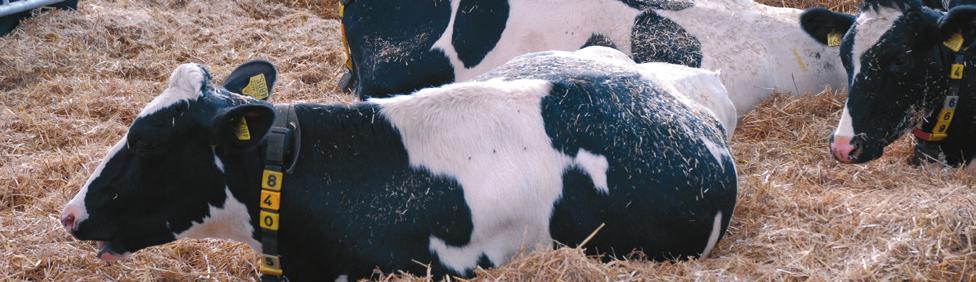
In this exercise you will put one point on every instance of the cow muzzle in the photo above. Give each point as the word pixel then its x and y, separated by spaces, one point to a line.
pixel 843 149
pixel 71 217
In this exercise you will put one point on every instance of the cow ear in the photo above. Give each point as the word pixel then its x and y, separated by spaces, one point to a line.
pixel 254 78
pixel 820 23
pixel 243 126
pixel 959 20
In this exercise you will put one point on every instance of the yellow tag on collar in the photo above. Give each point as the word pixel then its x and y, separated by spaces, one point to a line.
pixel 270 265
pixel 271 180
pixel 242 131
pixel 833 39
pixel 957 71
pixel 257 87
pixel 954 42
pixel 269 220
pixel 270 200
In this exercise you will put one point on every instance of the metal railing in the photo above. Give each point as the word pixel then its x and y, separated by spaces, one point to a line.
pixel 9 8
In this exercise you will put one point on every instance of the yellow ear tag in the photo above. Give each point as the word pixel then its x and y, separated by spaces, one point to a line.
pixel 257 87
pixel 242 131
pixel 954 42
pixel 833 39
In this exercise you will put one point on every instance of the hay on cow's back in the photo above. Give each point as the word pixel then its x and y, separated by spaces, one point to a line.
pixel 71 83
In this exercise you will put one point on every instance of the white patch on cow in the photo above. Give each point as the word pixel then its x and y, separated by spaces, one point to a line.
pixel 229 222
pixel 534 26
pixel 713 237
pixel 695 88
pixel 77 204
pixel 869 27
pixel 844 127
pixel 217 161
pixel 482 133
pixel 342 278
pixel 184 85
pixel 716 151
pixel 596 166
pixel 759 49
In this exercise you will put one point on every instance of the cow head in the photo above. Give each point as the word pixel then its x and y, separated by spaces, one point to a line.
pixel 897 69
pixel 164 175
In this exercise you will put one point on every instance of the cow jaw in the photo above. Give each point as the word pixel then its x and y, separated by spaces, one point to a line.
pixel 230 221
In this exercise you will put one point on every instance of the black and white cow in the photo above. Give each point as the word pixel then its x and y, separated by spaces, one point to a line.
pixel 541 150
pixel 401 46
pixel 898 69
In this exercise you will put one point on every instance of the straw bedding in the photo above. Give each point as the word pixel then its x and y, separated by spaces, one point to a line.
pixel 71 82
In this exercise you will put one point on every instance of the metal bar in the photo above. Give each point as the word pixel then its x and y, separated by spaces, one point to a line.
pixel 24 5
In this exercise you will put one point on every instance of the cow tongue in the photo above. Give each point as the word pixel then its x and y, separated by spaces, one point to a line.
pixel 104 253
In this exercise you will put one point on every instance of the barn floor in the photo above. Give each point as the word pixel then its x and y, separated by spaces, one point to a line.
pixel 71 82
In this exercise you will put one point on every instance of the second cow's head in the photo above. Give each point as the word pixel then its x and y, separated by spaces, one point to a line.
pixel 897 66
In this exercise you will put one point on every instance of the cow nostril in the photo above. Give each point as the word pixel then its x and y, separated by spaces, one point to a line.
pixel 68 222
pixel 855 151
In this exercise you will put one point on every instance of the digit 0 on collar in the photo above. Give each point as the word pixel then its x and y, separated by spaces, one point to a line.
pixel 269 220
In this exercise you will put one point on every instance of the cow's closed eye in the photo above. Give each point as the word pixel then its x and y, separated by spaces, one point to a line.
pixel 900 63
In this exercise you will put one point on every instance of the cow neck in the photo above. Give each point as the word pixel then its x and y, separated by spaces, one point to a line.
pixel 280 150
pixel 935 128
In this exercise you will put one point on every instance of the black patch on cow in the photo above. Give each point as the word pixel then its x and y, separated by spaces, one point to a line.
pixel 599 40
pixel 391 45
pixel 665 186
pixel 658 39
pixel 674 5
pixel 478 26
pixel 356 203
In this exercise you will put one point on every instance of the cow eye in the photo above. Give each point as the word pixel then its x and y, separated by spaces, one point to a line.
pixel 900 63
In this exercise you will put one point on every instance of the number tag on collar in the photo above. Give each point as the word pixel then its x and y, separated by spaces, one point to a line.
pixel 257 87
pixel 242 131
pixel 957 71
pixel 270 200
pixel 270 265
pixel 271 180
pixel 269 220
pixel 833 39
pixel 954 42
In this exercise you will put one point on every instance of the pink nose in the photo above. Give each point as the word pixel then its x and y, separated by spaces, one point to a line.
pixel 68 221
pixel 841 148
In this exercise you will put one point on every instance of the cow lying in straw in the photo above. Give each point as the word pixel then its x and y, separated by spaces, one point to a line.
pixel 399 46
pixel 545 149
